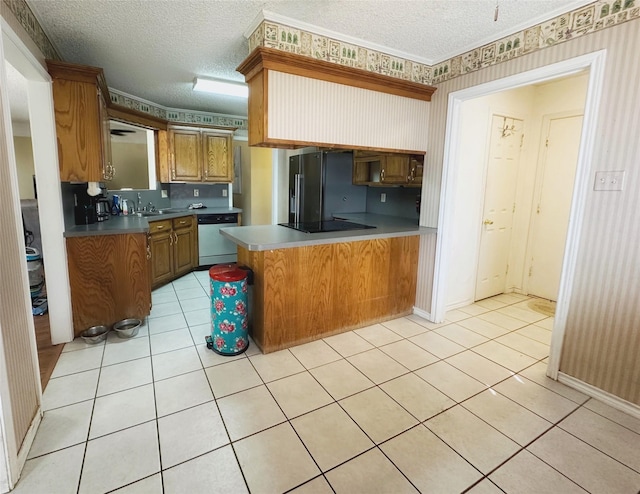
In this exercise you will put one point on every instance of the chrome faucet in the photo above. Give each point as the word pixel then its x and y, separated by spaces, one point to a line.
pixel 151 208
pixel 139 205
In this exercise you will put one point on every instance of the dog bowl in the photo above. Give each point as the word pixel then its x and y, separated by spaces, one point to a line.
pixel 95 334
pixel 127 328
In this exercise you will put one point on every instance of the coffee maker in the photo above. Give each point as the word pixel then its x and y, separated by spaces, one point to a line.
pixel 84 206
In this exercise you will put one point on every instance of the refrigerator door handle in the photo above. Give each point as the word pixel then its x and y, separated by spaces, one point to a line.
pixel 297 192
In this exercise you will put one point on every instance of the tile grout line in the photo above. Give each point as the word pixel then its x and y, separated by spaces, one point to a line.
pixel 93 407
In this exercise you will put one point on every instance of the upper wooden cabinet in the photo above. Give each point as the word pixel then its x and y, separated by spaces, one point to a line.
pixel 197 155
pixel 80 100
pixel 379 169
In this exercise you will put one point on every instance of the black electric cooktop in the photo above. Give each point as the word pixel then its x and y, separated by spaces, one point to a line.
pixel 325 226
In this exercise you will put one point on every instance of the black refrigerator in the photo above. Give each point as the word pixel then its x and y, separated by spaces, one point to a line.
pixel 320 185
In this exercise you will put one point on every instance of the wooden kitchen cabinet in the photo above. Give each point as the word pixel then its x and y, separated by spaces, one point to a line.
pixel 109 279
pixel 174 248
pixel 199 155
pixel 383 169
pixel 217 157
pixel 416 169
pixel 80 96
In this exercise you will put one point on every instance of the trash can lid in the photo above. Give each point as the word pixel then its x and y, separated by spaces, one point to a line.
pixel 227 272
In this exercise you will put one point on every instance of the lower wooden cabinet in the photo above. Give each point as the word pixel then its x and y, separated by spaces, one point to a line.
pixel 174 248
pixel 109 278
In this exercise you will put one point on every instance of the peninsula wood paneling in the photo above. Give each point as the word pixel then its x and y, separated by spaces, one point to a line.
pixel 602 339
pixel 306 293
pixel 109 278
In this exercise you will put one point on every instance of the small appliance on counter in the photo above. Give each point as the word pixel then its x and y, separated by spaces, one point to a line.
pixel 103 209
pixel 84 206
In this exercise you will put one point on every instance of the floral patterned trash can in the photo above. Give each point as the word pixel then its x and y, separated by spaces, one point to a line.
pixel 229 315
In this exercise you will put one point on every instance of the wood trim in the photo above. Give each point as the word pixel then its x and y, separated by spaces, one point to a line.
pixel 290 144
pixel 184 125
pixel 163 173
pixel 79 73
pixel 263 59
pixel 128 115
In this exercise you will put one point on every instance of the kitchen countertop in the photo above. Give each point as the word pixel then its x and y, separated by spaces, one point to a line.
pixel 268 237
pixel 117 225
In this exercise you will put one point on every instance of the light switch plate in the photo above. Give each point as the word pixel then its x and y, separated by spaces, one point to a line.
pixel 383 197
pixel 224 192
pixel 196 193
pixel 164 193
pixel 609 180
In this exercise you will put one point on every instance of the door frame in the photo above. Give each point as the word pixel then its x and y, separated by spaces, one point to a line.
pixel 596 63
pixel 537 187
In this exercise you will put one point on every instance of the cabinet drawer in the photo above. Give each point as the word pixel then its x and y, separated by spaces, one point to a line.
pixel 162 226
pixel 184 222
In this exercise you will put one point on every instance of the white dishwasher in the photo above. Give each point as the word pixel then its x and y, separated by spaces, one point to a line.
pixel 213 247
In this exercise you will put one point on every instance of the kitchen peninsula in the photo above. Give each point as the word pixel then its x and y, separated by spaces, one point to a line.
pixel 312 285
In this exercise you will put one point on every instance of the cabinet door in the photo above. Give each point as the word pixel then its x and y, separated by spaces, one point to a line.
pixel 217 157
pixel 183 251
pixel 109 279
pixel 396 169
pixel 186 156
pixel 78 130
pixel 161 243
pixel 105 141
pixel 134 291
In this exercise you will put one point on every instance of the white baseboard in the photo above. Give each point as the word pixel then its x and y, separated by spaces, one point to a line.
pixel 597 393
pixel 422 313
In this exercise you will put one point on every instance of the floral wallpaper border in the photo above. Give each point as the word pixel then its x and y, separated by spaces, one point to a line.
pixel 28 21
pixel 593 17
pixel 579 22
pixel 174 114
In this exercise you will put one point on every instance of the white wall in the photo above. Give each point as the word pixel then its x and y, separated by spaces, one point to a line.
pixel 530 103
pixel 25 167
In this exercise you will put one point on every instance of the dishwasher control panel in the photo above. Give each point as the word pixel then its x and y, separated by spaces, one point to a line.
pixel 216 219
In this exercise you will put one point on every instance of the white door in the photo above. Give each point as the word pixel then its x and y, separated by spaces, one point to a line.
pixel 551 212
pixel 499 205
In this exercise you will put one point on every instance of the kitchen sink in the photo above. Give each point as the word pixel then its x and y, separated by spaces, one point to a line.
pixel 162 211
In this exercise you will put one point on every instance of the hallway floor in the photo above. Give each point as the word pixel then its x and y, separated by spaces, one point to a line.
pixel 403 406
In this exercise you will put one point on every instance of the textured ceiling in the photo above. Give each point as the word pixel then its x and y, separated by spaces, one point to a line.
pixel 17 90
pixel 153 49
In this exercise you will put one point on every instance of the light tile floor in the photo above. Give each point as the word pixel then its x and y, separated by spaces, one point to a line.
pixel 402 406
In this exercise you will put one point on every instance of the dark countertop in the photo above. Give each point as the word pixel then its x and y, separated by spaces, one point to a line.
pixel 118 225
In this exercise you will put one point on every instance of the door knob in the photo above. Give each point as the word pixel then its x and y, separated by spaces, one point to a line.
pixel 487 222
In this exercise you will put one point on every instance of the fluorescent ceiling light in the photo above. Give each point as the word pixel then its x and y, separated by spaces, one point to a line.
pixel 220 87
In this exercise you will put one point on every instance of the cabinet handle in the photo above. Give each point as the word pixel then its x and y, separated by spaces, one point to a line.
pixel 170 239
pixel 159 227
pixel 182 222
pixel 148 252
pixel 382 175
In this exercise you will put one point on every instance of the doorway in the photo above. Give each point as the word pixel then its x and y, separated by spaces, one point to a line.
pixel 452 177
